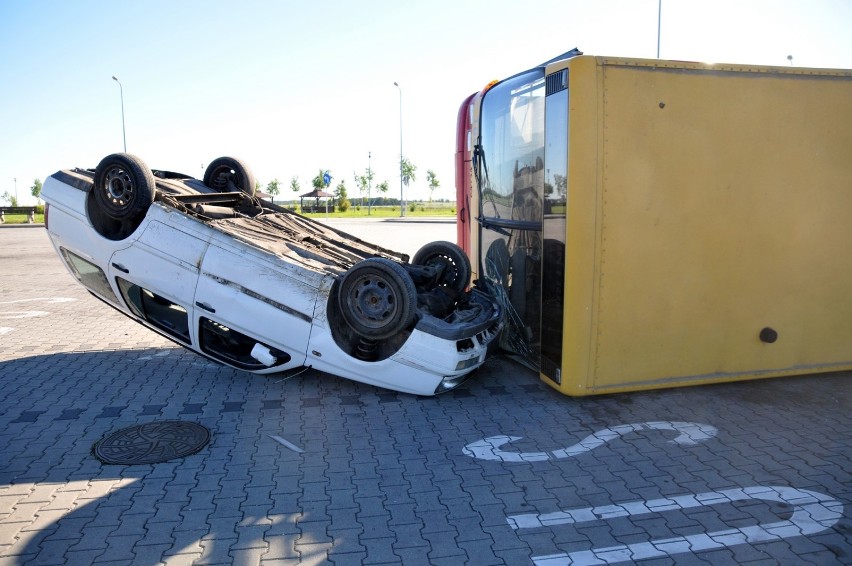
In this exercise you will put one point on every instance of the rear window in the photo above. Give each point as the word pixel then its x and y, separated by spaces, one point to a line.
pixel 89 275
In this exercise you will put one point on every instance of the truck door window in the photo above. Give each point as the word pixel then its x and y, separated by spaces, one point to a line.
pixel 510 178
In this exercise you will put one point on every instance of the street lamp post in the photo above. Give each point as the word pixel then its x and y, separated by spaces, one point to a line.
pixel 121 92
pixel 16 190
pixel 369 180
pixel 659 20
pixel 401 199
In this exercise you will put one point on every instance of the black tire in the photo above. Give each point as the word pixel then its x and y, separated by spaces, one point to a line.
pixel 377 298
pixel 229 174
pixel 453 260
pixel 124 187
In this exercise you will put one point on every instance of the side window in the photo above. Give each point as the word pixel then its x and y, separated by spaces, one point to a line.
pixel 158 311
pixel 89 275
pixel 237 349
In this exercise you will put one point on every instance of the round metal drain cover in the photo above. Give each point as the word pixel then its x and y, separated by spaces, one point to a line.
pixel 152 443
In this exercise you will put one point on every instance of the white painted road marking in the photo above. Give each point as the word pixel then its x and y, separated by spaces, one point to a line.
pixel 23 314
pixel 489 448
pixel 160 354
pixel 28 314
pixel 286 443
pixel 812 513
pixel 40 300
pixel 166 353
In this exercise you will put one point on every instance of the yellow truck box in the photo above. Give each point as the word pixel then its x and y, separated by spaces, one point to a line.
pixel 697 220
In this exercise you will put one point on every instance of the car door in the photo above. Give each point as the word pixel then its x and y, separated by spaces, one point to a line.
pixel 250 312
pixel 156 277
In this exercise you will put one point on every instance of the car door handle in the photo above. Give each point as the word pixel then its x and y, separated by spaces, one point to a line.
pixel 204 306
pixel 120 267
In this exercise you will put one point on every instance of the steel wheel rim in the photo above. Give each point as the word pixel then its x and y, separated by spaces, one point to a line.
pixel 373 300
pixel 118 188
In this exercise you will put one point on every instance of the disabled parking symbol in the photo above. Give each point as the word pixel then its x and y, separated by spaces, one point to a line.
pixel 491 448
pixel 812 513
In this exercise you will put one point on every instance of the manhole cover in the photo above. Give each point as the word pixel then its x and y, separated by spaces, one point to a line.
pixel 152 443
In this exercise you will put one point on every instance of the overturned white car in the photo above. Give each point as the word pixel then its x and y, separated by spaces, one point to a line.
pixel 260 288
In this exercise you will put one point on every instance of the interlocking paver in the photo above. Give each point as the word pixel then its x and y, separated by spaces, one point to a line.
pixel 382 479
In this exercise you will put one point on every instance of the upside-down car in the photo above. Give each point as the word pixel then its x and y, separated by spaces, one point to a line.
pixel 261 288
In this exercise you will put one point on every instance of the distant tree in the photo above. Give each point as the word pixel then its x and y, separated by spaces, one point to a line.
pixel 318 182
pixel 433 181
pixel 364 183
pixel 35 190
pixel 272 187
pixel 294 184
pixel 383 187
pixel 561 185
pixel 360 184
pixel 408 171
pixel 257 187
pixel 342 197
pixel 11 199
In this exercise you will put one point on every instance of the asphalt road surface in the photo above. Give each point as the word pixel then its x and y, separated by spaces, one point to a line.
pixel 307 468
pixel 406 235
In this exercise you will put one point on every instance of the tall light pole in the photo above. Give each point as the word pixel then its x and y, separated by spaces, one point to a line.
pixel 121 91
pixel 16 190
pixel 369 179
pixel 401 200
pixel 659 19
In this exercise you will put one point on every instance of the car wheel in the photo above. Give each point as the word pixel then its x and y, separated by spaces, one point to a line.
pixel 377 298
pixel 454 264
pixel 228 174
pixel 124 187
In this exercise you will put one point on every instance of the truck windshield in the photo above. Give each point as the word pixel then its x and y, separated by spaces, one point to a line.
pixel 509 168
pixel 510 165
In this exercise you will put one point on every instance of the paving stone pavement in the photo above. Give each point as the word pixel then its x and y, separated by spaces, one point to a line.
pixel 501 471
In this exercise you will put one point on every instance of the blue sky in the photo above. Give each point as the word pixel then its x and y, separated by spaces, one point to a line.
pixel 290 87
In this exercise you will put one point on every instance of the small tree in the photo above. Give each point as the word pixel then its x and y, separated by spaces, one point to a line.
pixel 342 197
pixel 273 187
pixel 561 185
pixel 35 190
pixel 11 199
pixel 364 183
pixel 294 184
pixel 383 187
pixel 408 171
pixel 433 181
pixel 319 182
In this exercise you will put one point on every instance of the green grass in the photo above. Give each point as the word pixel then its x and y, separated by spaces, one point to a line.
pixel 420 209
pixel 22 218
pixel 386 211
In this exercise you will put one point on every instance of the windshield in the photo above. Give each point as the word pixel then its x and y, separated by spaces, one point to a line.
pixel 510 153
pixel 510 177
